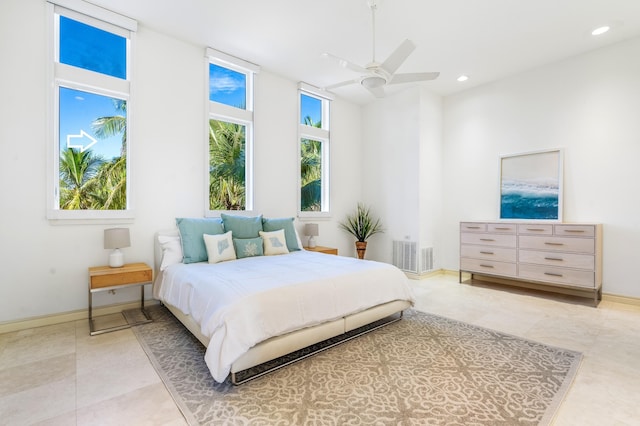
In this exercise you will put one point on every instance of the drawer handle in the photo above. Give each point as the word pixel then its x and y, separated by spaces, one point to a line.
pixel 554 244
pixel 559 259
pixel 473 227
pixel 487 239
pixel 553 274
pixel 486 266
pixel 535 229
pixel 503 228
pixel 486 252
pixel 574 230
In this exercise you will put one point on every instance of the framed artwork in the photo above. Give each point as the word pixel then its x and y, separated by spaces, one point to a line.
pixel 531 185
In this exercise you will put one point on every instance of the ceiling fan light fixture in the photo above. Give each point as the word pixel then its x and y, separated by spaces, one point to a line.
pixel 373 82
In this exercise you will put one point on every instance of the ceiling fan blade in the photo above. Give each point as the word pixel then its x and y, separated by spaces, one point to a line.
pixel 342 83
pixel 378 92
pixel 413 76
pixel 345 64
pixel 393 62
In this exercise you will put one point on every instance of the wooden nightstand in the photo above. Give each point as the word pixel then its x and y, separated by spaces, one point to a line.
pixel 105 278
pixel 321 249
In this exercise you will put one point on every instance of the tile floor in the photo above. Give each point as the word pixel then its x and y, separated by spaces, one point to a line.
pixel 59 375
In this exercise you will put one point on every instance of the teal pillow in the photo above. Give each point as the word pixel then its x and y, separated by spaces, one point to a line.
pixel 248 247
pixel 242 226
pixel 286 223
pixel 191 236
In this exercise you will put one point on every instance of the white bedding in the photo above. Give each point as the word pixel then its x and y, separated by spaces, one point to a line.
pixel 243 302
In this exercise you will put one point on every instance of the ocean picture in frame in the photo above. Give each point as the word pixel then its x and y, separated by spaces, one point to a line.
pixel 531 185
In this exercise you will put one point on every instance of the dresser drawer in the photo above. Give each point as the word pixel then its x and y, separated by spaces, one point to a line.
pixel 568 244
pixel 575 230
pixel 571 277
pixel 502 228
pixel 473 227
pixel 488 267
pixel 490 253
pixel 499 240
pixel 535 229
pixel 565 260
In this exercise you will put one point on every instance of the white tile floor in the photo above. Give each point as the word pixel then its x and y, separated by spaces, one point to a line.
pixel 59 375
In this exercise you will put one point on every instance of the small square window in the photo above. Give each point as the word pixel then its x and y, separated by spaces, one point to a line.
pixel 93 49
pixel 310 111
pixel 227 86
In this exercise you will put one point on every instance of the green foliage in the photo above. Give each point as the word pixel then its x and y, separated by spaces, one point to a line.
pixel 87 181
pixel 361 224
pixel 310 171
pixel 226 165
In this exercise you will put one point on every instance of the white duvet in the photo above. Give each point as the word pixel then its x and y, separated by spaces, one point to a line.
pixel 243 302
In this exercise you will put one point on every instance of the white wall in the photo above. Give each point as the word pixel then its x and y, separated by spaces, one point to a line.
pixel 402 139
pixel 44 267
pixel 587 105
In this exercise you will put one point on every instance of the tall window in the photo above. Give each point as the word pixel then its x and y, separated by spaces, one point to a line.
pixel 230 142
pixel 90 56
pixel 313 132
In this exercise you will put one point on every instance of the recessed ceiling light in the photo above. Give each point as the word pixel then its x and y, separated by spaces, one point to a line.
pixel 463 78
pixel 600 30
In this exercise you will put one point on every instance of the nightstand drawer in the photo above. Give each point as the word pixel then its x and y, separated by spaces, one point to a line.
pixel 322 249
pixel 104 276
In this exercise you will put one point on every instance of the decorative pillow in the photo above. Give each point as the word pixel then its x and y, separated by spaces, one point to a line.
pixel 274 242
pixel 191 232
pixel 219 247
pixel 290 234
pixel 242 226
pixel 248 247
pixel 171 250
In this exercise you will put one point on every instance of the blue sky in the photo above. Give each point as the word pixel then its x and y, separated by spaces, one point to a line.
pixel 90 48
pixel 78 110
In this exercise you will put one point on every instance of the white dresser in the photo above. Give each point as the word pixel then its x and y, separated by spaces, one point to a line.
pixel 554 254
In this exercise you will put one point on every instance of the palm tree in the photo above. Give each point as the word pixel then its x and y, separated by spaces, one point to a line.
pixel 109 191
pixel 226 165
pixel 105 127
pixel 311 171
pixel 77 172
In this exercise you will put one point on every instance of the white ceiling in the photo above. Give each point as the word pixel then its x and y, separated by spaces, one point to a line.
pixel 485 39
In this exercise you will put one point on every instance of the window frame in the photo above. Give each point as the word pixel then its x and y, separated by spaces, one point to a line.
pixel 323 135
pixel 223 112
pixel 68 76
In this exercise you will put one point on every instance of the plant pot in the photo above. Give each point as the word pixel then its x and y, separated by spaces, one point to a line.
pixel 361 247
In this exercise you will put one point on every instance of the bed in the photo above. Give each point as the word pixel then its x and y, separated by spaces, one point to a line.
pixel 251 310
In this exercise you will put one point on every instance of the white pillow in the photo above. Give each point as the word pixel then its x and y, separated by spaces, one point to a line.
pixel 274 242
pixel 171 250
pixel 219 247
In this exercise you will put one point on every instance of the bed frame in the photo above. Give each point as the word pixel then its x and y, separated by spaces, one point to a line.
pixel 278 346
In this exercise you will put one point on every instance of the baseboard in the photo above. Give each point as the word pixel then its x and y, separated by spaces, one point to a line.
pixel 424 275
pixel 627 300
pixel 44 320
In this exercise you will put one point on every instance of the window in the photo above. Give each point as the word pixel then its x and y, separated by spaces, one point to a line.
pixel 90 54
pixel 230 140
pixel 314 151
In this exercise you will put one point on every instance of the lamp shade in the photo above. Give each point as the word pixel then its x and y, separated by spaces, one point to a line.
pixel 115 238
pixel 311 229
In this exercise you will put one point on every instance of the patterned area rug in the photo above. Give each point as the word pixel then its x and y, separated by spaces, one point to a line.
pixel 423 369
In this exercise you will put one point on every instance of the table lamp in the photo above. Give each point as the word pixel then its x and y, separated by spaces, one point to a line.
pixel 311 230
pixel 116 238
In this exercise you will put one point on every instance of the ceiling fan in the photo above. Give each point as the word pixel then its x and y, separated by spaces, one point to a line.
pixel 374 76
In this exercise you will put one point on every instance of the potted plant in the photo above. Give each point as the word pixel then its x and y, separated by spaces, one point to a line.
pixel 362 226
